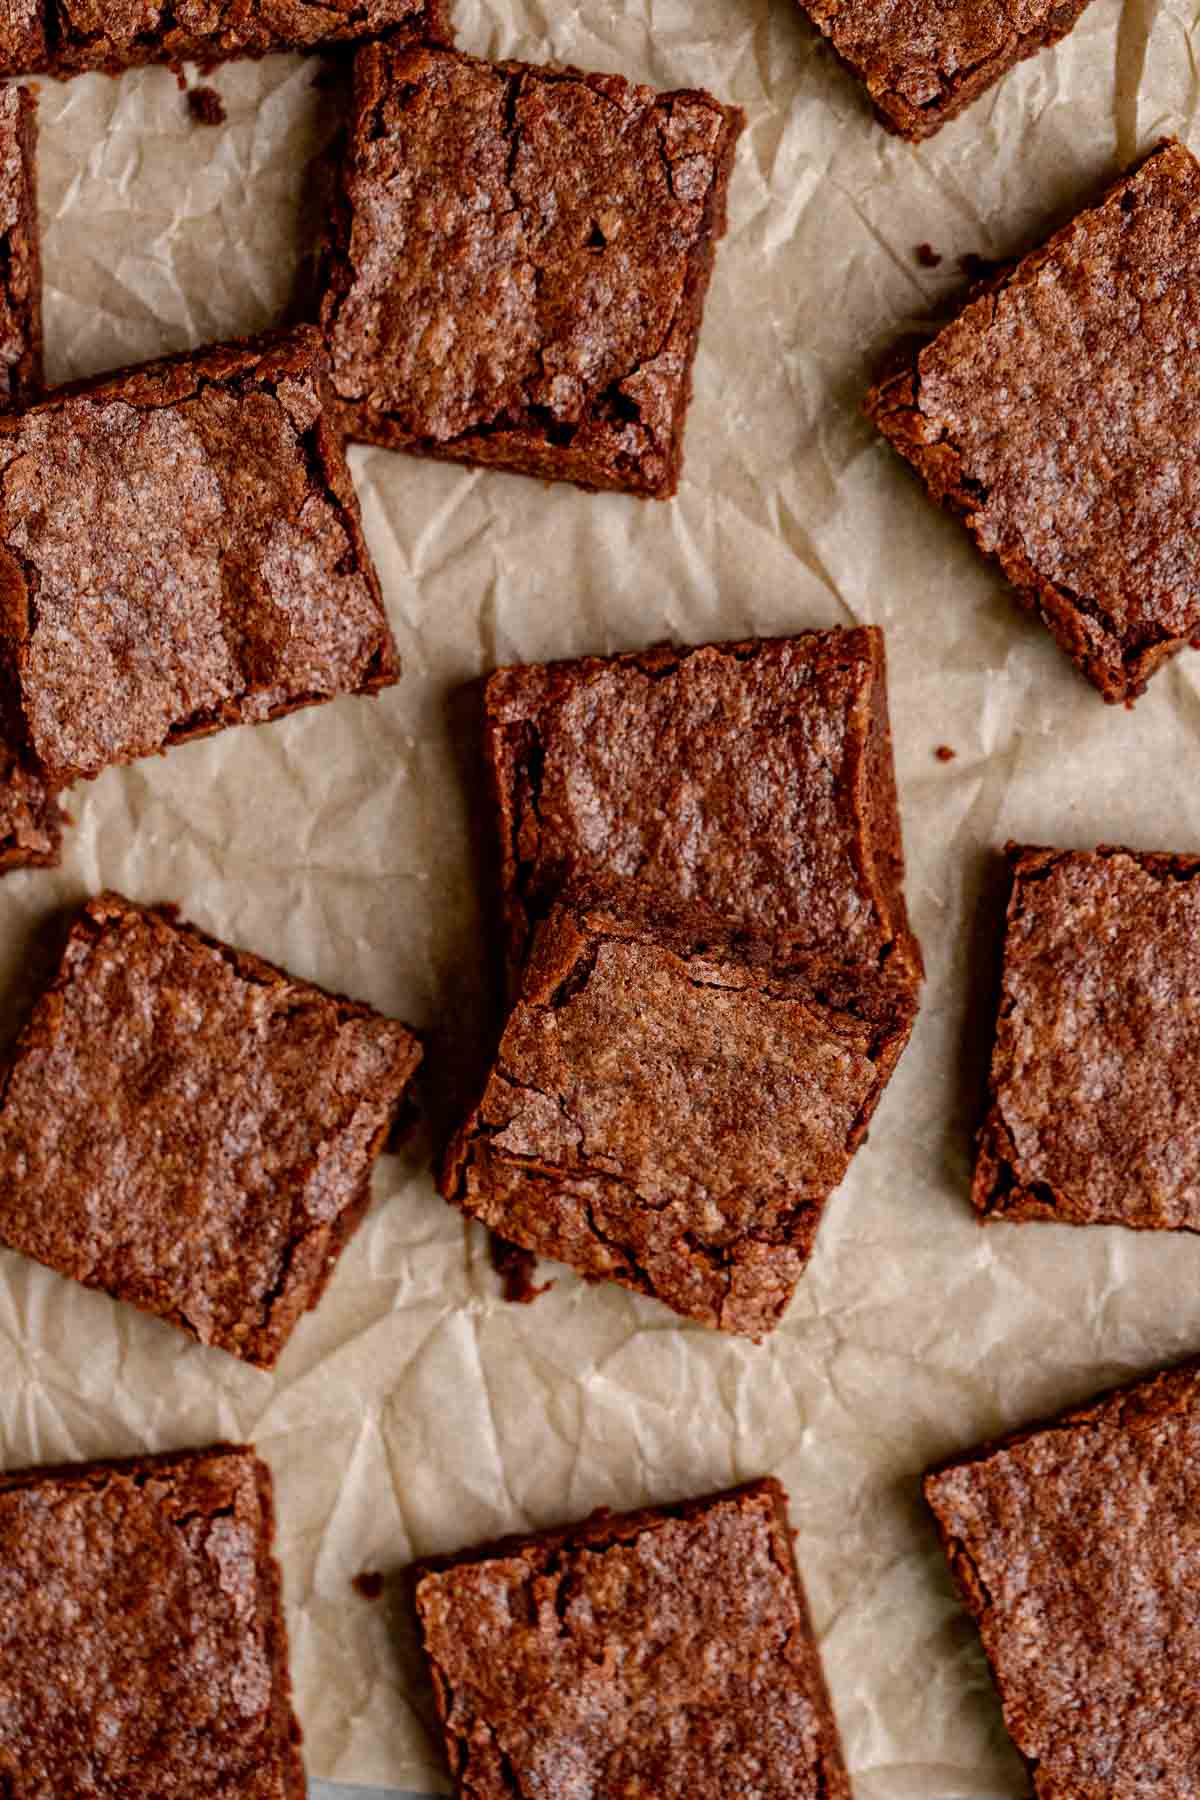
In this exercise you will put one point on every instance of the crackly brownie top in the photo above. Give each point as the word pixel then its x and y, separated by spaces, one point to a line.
pixel 1096 1068
pixel 664 1652
pixel 520 244
pixel 141 1648
pixel 1063 409
pixel 753 780
pixel 1077 1550
pixel 183 1125
pixel 179 545
pixel 116 34
pixel 22 36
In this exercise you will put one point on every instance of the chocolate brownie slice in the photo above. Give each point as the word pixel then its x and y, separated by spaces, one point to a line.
pixel 1075 1548
pixel 143 1648
pixel 670 1110
pixel 192 1130
pixel 923 61
pixel 66 37
pixel 518 266
pixel 180 550
pixel 1059 416
pixel 665 1652
pixel 752 780
pixel 1094 1094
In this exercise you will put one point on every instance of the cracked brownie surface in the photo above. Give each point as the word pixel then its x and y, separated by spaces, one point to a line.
pixel 66 37
pixel 192 1130
pixel 180 550
pixel 519 263
pixel 142 1640
pixel 667 1652
pixel 671 1111
pixel 1059 417
pixel 1075 1548
pixel 1093 1105
pixel 923 61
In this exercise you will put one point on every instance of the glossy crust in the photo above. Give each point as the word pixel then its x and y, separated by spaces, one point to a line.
pixel 1075 1550
pixel 671 1110
pixel 923 61
pixel 753 781
pixel 668 1651
pixel 67 37
pixel 142 1641
pixel 1094 1094
pixel 1059 417
pixel 181 550
pixel 191 1130
pixel 517 268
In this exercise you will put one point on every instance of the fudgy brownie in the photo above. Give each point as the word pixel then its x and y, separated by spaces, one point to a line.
pixel 923 61
pixel 180 550
pixel 192 1130
pixel 671 1110
pixel 518 265
pixel 1059 416
pixel 1094 1094
pixel 1075 1548
pixel 665 1652
pixel 753 780
pixel 65 37
pixel 143 1648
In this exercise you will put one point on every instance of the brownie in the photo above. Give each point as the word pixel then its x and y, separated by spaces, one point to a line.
pixel 1059 416
pixel 518 265
pixel 1094 1096
pixel 670 1110
pixel 67 37
pixel 190 1129
pixel 1075 1548
pixel 752 780
pixel 20 250
pixel 923 61
pixel 143 1648
pixel 180 550
pixel 665 1652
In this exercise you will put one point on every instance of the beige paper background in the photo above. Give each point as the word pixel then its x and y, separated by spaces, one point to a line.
pixel 415 1412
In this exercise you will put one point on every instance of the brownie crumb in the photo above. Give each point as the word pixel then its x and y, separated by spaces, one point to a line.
pixel 369 1584
pixel 515 1268
pixel 206 106
pixel 928 257
pixel 945 753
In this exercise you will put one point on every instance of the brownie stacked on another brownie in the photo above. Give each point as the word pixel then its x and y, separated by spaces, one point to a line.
pixel 713 970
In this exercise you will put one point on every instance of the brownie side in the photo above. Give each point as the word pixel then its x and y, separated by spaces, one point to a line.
pixel 552 331
pixel 751 780
pixel 142 1640
pixel 667 1651
pixel 1092 1114
pixel 923 61
pixel 23 39
pixel 191 1130
pixel 181 550
pixel 21 377
pixel 1059 417
pixel 1073 1548
pixel 670 1110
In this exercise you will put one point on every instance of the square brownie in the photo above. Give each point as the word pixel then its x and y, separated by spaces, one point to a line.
pixel 924 61
pixel 670 1110
pixel 1094 1094
pixel 180 550
pixel 751 780
pixel 143 1648
pixel 65 37
pixel 191 1130
pixel 1059 416
pixel 518 265
pixel 665 1652
pixel 1076 1551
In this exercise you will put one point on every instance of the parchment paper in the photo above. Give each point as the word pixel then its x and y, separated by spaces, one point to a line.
pixel 415 1411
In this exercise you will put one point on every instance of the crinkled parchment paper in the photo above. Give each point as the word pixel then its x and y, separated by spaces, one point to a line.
pixel 415 1411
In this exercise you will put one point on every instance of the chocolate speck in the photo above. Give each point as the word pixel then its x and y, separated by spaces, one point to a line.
pixel 515 1268
pixel 369 1584
pixel 206 106
pixel 928 257
pixel 944 753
